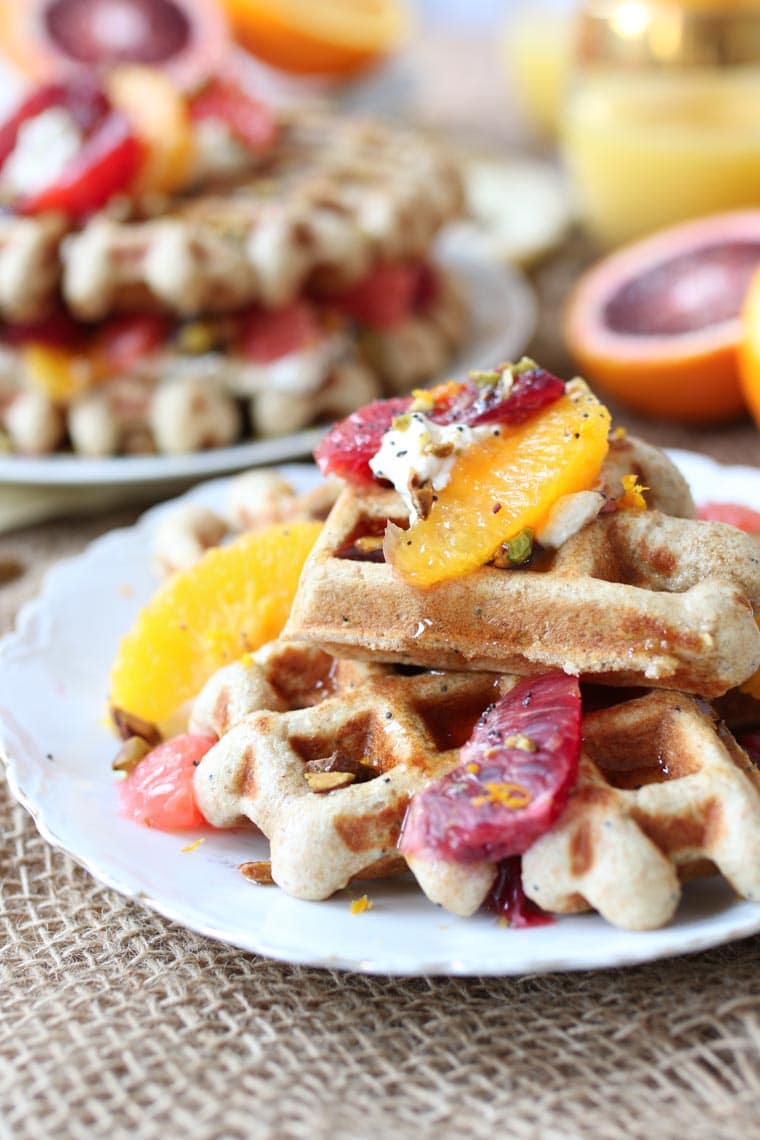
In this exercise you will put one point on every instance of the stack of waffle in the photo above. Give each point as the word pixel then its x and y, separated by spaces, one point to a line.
pixel 327 735
pixel 312 235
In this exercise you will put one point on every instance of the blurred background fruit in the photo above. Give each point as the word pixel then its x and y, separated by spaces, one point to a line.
pixel 658 325
pixel 159 115
pixel 749 355
pixel 319 37
pixel 43 38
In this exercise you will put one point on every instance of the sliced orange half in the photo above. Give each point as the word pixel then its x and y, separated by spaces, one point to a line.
pixel 319 37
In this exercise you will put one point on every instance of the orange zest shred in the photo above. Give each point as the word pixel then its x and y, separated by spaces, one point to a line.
pixel 358 906
pixel 632 498
pixel 508 795
pixel 192 846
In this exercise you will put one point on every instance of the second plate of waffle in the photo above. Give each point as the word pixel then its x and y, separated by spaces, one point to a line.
pixel 58 748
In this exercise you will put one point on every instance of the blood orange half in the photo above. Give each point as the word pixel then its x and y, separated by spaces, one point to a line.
pixel 48 38
pixel 658 323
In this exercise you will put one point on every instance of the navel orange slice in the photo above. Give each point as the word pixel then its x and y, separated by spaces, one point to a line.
pixel 233 600
pixel 503 485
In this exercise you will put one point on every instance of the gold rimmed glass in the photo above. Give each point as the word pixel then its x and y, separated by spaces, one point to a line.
pixel 662 117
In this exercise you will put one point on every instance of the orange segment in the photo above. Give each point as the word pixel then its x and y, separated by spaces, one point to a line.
pixel 319 37
pixel 158 114
pixel 60 374
pixel 233 600
pixel 524 470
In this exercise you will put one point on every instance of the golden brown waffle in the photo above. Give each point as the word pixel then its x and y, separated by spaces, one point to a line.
pixel 336 196
pixel 29 265
pixel 282 675
pixel 664 794
pixel 634 598
pixel 373 737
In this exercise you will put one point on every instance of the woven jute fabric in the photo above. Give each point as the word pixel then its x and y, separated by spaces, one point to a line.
pixel 116 1023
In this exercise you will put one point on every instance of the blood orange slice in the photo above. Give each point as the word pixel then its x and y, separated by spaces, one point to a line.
pixel 658 323
pixel 513 779
pixel 47 38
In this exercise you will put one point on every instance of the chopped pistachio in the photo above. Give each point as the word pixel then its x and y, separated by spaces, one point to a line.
pixel 485 378
pixel 423 400
pixel 129 724
pixel 519 549
pixel 130 754
pixel 196 337
pixel 329 781
pixel 258 871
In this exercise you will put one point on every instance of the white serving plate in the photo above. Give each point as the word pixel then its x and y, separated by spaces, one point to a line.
pixel 58 748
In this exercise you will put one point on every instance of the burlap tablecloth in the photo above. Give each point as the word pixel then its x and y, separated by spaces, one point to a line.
pixel 114 1022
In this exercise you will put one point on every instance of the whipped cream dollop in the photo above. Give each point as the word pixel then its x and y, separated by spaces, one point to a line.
pixel 417 451
pixel 45 146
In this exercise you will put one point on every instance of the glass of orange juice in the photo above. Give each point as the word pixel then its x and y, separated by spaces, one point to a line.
pixel 537 46
pixel 662 116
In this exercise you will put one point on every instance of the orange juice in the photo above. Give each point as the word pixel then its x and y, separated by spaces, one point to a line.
pixel 537 56
pixel 646 150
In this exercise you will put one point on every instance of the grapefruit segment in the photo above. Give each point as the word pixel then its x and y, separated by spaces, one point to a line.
pixel 159 792
pixel 232 601
pixel 658 324
pixel 523 470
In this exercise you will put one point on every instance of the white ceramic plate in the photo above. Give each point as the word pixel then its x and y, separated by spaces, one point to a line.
pixel 503 315
pixel 54 734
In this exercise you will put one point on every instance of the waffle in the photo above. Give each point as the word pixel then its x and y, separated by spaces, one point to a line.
pixel 634 598
pixel 326 772
pixel 664 794
pixel 175 402
pixel 29 265
pixel 336 196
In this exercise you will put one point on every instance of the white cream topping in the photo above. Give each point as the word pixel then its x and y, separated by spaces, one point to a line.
pixel 419 451
pixel 45 145
pixel 299 372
